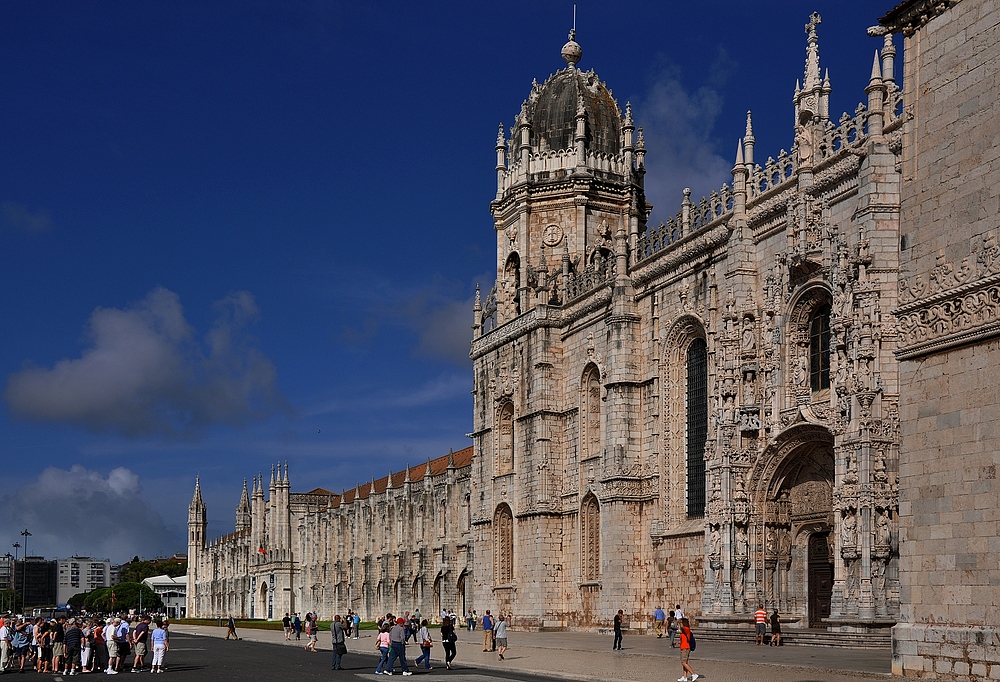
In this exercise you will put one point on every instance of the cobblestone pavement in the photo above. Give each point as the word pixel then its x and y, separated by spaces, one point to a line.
pixel 587 656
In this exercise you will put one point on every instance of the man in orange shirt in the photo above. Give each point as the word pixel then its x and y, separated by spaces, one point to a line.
pixel 760 623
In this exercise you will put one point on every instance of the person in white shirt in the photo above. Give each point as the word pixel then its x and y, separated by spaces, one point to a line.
pixel 5 647
pixel 111 639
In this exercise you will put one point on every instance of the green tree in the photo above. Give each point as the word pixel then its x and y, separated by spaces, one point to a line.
pixel 10 600
pixel 76 602
pixel 136 570
pixel 122 597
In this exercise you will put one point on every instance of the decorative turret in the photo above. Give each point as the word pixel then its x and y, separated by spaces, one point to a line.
pixel 197 517
pixel 243 514
pixel 876 97
pixel 812 98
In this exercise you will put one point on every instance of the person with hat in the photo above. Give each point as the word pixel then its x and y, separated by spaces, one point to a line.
pixel 397 640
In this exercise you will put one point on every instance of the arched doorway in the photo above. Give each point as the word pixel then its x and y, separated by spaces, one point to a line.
pixel 794 503
pixel 463 606
pixel 262 603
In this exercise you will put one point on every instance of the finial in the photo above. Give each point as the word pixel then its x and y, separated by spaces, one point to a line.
pixel 388 481
pixel 451 458
pixel 749 131
pixel 571 51
pixel 628 113
pixel 500 139
pixel 407 478
pixel 814 20
pixel 479 301
pixel 640 143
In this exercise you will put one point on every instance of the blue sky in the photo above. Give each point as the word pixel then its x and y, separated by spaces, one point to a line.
pixel 234 233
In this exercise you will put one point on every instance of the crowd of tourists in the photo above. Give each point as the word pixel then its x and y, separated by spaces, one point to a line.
pixel 72 646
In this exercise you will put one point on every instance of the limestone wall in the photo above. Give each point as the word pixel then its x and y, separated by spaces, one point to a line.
pixel 949 308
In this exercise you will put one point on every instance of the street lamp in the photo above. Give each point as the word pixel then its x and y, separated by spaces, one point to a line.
pixel 13 573
pixel 25 534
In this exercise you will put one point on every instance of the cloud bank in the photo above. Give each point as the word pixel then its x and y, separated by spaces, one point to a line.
pixel 145 372
pixel 81 512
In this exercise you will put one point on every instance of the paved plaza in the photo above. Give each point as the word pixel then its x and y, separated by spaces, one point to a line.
pixel 263 654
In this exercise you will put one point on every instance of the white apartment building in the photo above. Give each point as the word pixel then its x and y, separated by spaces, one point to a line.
pixel 82 574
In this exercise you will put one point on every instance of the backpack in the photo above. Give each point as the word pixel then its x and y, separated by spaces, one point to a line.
pixel 693 641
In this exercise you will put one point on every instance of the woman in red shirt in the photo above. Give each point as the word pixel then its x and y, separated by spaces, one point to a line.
pixel 685 633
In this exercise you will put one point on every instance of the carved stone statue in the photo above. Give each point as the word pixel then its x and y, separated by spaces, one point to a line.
pixel 716 543
pixel 849 532
pixel 882 532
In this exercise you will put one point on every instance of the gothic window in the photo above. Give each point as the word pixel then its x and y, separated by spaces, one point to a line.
pixel 697 426
pixel 819 348
pixel 590 413
pixel 503 545
pixel 444 518
pixel 590 539
pixel 505 446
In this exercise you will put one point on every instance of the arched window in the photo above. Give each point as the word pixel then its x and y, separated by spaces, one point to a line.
pixel 697 426
pixel 505 444
pixel 590 413
pixel 590 539
pixel 819 348
pixel 503 544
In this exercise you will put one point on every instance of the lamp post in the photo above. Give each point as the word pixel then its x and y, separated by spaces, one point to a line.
pixel 13 573
pixel 24 574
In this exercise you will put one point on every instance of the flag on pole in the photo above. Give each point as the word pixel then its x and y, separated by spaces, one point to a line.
pixel 260 550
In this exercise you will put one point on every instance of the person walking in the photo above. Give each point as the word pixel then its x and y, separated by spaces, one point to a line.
pixel 687 644
pixel 231 627
pixel 488 644
pixel 672 628
pixel 339 636
pixel 617 646
pixel 760 623
pixel 658 618
pixel 357 626
pixel 448 639
pixel 775 629
pixel 297 626
pixel 424 637
pixel 286 625
pixel 161 645
pixel 382 645
pixel 501 636
pixel 397 643
pixel 312 633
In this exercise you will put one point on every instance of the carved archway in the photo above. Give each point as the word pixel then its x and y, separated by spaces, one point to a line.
pixel 503 544
pixel 791 498
pixel 805 305
pixel 590 413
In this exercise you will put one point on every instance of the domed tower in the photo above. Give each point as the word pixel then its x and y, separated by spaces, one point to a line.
pixel 569 178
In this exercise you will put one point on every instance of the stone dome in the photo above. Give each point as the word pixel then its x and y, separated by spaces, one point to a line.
pixel 552 112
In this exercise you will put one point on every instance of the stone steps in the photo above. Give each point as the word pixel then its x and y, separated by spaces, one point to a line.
pixel 801 637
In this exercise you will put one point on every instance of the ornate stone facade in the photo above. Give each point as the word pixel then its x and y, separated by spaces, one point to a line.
pixel 394 544
pixel 704 411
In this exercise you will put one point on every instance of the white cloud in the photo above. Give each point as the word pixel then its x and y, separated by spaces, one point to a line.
pixel 81 512
pixel 18 216
pixel 145 373
pixel 681 149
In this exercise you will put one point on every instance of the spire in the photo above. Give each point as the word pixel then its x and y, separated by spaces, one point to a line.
pixel 876 70
pixel 451 458
pixel 245 499
pixel 285 481
pixel 388 481
pixel 196 501
pixel 812 53
pixel 739 154
pixel 407 478
pixel 628 114
pixel 272 477
pixel 427 472
pixel 501 143
pixel 748 142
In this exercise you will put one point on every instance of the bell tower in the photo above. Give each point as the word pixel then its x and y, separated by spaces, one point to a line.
pixel 197 530
pixel 569 180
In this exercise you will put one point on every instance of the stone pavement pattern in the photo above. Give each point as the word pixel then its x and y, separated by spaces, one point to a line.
pixel 587 656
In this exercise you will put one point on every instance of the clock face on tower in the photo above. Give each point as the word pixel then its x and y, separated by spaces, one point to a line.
pixel 552 235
